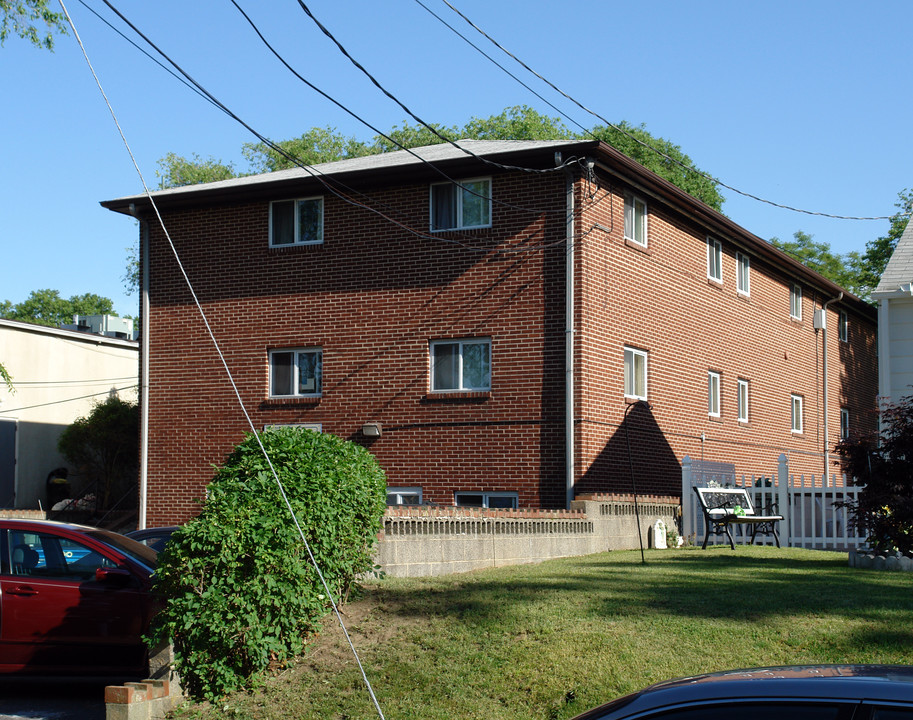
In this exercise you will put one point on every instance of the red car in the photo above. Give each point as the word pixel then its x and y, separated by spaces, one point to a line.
pixel 74 600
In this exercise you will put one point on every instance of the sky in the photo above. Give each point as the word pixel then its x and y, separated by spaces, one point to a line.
pixel 804 103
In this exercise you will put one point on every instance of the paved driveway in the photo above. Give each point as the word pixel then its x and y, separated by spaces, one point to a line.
pixel 40 699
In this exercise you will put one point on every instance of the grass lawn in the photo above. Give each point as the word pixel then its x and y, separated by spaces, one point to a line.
pixel 552 640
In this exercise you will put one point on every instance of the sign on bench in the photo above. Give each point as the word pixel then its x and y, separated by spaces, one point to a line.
pixel 725 506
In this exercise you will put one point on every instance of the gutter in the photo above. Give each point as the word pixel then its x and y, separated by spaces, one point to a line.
pixel 569 454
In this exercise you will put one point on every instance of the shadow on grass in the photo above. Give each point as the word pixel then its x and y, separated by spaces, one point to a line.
pixel 750 583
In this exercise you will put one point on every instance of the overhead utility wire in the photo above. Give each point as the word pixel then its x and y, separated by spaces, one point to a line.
pixel 367 124
pixel 161 65
pixel 231 380
pixel 325 180
pixel 641 142
pixel 415 117
pixel 320 177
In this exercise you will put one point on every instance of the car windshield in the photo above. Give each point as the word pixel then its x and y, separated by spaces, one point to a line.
pixel 137 551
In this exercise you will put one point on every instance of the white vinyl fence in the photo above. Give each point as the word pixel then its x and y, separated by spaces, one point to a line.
pixel 811 507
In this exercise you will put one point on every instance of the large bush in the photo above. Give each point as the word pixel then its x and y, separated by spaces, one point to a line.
pixel 239 588
pixel 883 465
pixel 104 448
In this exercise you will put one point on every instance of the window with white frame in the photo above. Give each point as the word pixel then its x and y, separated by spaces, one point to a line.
pixel 795 302
pixel 714 260
pixel 635 373
pixel 404 496
pixel 843 327
pixel 713 393
pixel 461 206
pixel 844 423
pixel 742 400
pixel 461 365
pixel 296 222
pixel 635 220
pixel 796 401
pixel 295 372
pixel 743 274
pixel 503 500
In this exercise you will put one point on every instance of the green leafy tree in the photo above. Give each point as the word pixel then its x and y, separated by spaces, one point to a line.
pixel 517 123
pixel 240 591
pixel 7 378
pixel 177 171
pixel 879 251
pixel 820 257
pixel 104 447
pixel 32 20
pixel 46 307
pixel 317 145
pixel 670 162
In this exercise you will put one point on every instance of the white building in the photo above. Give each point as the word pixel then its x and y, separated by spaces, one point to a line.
pixel 58 376
pixel 894 295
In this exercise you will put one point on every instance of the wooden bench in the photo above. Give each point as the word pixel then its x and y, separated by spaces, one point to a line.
pixel 725 506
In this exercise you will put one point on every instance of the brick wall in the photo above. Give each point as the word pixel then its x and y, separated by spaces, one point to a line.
pixel 659 299
pixel 373 295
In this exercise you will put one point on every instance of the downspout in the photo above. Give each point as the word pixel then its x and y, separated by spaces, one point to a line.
pixel 569 454
pixel 827 447
pixel 144 369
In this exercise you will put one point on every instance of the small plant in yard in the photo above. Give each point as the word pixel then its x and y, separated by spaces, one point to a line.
pixel 883 465
pixel 240 592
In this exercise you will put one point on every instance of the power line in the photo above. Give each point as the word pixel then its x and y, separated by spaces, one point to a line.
pixel 415 117
pixel 228 372
pixel 687 168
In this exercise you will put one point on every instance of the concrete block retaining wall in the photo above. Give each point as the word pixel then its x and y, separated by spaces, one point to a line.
pixel 430 540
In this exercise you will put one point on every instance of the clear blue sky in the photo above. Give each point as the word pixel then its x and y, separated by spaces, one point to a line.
pixel 805 103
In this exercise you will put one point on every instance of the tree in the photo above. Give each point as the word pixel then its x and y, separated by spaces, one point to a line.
pixel 670 162
pixel 20 17
pixel 177 171
pixel 7 378
pixel 104 447
pixel 818 256
pixel 240 591
pixel 46 307
pixel 879 251
pixel 882 464
pixel 317 145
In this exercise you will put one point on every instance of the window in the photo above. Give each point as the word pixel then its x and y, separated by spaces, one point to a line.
pixel 714 260
pixel 404 496
pixel 296 373
pixel 795 302
pixel 796 413
pixel 742 401
pixel 296 222
pixel 743 274
pixel 508 500
pixel 461 365
pixel 713 394
pixel 635 374
pixel 844 423
pixel 843 327
pixel 461 206
pixel 635 220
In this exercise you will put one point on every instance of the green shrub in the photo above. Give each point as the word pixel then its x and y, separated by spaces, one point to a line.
pixel 240 591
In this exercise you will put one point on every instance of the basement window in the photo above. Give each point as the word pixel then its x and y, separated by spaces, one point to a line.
pixel 494 500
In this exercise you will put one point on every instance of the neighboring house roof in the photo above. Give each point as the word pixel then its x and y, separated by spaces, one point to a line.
pixel 899 270
pixel 426 164
pixel 75 335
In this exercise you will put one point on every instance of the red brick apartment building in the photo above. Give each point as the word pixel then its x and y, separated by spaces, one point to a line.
pixel 488 340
